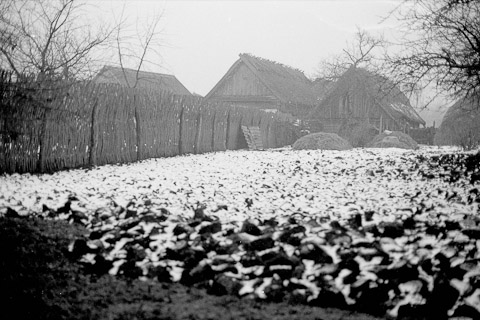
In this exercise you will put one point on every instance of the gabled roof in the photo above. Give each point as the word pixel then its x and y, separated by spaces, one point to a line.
pixel 128 77
pixel 391 99
pixel 387 94
pixel 287 84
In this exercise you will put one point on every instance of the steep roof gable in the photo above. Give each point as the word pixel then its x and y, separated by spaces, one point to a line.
pixel 128 77
pixel 287 84
pixel 391 99
pixel 386 93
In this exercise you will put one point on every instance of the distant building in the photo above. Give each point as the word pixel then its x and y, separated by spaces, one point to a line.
pixel 358 95
pixel 363 96
pixel 142 79
pixel 255 82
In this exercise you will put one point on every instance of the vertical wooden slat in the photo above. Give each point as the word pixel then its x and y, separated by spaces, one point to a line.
pixel 206 129
pixel 234 128
pixel 220 130
pixel 189 126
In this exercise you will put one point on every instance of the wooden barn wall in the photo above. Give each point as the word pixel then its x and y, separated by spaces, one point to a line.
pixel 96 124
pixel 234 127
pixel 353 103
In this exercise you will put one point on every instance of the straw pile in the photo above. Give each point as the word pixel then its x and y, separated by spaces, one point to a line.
pixel 322 141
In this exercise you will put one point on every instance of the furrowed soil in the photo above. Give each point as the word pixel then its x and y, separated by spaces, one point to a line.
pixel 40 280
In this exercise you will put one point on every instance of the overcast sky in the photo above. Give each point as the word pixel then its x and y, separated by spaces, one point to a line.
pixel 202 39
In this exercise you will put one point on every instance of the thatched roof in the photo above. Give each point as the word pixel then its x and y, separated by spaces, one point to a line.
pixel 128 78
pixel 387 95
pixel 287 84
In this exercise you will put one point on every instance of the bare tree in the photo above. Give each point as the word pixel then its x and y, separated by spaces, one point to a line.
pixel 367 52
pixel 138 44
pixel 439 47
pixel 363 52
pixel 48 39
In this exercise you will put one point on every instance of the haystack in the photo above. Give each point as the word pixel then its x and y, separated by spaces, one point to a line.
pixel 322 141
pixel 393 139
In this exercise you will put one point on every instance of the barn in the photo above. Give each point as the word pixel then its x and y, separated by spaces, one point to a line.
pixel 263 84
pixel 362 96
pixel 141 79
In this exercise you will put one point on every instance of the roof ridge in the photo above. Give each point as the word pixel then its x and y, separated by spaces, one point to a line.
pixel 287 84
pixel 139 71
pixel 129 77
pixel 279 64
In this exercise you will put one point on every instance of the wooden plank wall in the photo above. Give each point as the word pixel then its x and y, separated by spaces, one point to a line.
pixel 97 124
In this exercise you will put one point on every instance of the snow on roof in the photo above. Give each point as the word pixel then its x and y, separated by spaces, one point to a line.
pixel 407 111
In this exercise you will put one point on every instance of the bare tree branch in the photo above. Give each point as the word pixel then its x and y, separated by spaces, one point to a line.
pixel 47 39
pixel 440 47
pixel 133 47
pixel 359 53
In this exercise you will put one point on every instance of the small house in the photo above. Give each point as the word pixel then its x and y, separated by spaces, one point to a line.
pixel 260 83
pixel 141 79
pixel 362 96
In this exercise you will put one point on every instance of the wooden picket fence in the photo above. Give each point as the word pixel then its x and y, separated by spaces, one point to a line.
pixel 95 124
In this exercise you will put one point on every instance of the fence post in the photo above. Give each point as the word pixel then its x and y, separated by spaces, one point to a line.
pixel 213 126
pixel 137 127
pixel 41 142
pixel 180 117
pixel 227 124
pixel 198 134
pixel 93 139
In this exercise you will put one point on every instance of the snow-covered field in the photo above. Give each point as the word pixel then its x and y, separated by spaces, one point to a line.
pixel 386 227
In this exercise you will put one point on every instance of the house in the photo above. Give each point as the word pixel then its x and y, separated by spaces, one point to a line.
pixel 141 79
pixel 360 95
pixel 260 83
